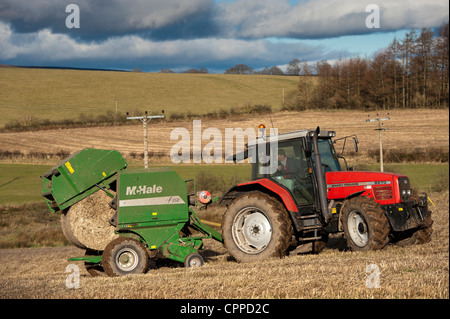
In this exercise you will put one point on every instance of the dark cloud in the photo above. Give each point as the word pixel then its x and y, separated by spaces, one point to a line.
pixel 244 19
pixel 105 18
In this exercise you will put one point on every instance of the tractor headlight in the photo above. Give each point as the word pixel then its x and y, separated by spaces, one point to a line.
pixel 406 192
pixel 405 188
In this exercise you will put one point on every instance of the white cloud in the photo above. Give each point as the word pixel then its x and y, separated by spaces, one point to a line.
pixel 47 46
pixel 325 18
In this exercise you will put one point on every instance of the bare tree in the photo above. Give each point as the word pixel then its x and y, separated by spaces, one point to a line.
pixel 293 67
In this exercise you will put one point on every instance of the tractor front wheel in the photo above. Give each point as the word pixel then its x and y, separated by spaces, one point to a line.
pixel 124 256
pixel 366 227
pixel 256 227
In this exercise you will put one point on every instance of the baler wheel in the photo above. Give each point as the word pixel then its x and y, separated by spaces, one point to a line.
pixel 194 260
pixel 125 256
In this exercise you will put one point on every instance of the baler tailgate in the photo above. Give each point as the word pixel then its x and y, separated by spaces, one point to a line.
pixel 78 176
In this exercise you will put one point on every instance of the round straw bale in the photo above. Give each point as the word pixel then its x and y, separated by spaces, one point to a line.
pixel 86 224
pixel 67 230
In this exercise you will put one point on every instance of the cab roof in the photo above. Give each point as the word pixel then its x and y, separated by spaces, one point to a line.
pixel 290 136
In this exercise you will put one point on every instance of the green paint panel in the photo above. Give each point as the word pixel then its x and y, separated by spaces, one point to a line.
pixel 152 196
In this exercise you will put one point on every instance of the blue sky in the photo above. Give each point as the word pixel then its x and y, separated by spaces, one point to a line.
pixel 183 34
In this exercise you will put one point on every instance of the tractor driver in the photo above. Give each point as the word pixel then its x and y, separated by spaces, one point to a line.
pixel 287 166
pixel 292 168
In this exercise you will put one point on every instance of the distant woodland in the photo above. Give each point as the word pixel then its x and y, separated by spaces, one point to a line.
pixel 411 73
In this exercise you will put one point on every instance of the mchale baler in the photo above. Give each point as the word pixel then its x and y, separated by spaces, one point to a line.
pixel 152 214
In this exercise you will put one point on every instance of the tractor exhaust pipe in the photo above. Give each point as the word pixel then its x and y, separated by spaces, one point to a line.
pixel 320 178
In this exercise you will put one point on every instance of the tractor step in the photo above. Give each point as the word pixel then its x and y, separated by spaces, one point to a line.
pixel 310 228
pixel 308 222
pixel 310 238
pixel 313 216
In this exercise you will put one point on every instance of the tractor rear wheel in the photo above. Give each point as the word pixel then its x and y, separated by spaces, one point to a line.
pixel 125 256
pixel 256 227
pixel 366 227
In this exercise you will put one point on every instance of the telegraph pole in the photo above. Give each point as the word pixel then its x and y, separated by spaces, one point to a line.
pixel 145 120
pixel 379 129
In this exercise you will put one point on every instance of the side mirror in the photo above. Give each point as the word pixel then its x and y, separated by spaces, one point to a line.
pixel 355 141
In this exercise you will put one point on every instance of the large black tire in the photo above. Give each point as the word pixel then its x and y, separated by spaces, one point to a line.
pixel 256 227
pixel 125 256
pixel 365 224
pixel 415 236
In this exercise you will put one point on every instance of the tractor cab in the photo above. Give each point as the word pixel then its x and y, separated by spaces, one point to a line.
pixel 287 159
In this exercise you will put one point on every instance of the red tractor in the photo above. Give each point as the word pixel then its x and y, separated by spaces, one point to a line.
pixel 302 195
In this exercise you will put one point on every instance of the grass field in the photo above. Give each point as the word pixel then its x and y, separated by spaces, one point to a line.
pixel 20 183
pixel 61 94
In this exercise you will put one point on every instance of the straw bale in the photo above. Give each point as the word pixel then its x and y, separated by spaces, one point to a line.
pixel 86 224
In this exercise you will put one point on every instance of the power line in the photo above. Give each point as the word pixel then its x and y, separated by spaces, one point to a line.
pixel 145 120
pixel 380 129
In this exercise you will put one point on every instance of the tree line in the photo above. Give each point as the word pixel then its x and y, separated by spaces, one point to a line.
pixel 411 72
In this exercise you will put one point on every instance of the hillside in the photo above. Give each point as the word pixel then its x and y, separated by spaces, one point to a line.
pixel 56 94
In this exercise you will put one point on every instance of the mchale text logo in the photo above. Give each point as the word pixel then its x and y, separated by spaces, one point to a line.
pixel 143 189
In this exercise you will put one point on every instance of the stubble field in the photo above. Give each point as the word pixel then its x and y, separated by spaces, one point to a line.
pixel 408 129
pixel 420 271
